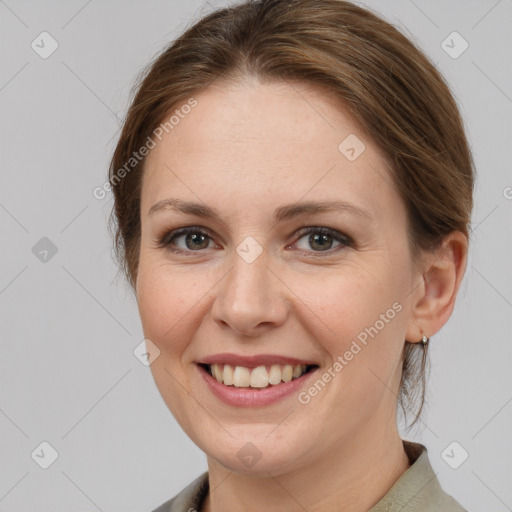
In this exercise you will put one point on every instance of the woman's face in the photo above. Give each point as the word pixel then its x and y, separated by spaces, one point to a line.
pixel 252 280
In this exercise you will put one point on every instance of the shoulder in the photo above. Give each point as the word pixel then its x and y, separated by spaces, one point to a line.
pixel 188 499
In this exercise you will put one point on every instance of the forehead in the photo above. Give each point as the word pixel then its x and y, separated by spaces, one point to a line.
pixel 266 140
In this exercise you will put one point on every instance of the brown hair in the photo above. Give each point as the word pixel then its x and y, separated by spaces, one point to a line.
pixel 388 85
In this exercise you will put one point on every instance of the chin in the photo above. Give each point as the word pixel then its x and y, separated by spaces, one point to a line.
pixel 256 455
pixel 274 464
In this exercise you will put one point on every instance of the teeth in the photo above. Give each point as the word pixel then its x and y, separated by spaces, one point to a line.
pixel 259 377
pixel 274 376
pixel 241 377
pixel 287 373
pixel 226 376
pixel 216 372
pixel 297 371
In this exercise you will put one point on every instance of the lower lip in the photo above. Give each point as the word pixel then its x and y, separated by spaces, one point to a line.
pixel 251 397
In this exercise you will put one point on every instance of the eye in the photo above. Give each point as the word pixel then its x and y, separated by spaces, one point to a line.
pixel 195 239
pixel 321 239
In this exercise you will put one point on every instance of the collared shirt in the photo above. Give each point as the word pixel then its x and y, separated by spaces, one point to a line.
pixel 417 490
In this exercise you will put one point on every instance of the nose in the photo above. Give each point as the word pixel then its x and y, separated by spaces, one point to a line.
pixel 251 298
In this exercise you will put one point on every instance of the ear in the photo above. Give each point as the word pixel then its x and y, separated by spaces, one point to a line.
pixel 441 272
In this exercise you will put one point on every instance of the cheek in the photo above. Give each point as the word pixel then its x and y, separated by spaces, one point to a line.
pixel 348 301
pixel 166 300
pixel 359 314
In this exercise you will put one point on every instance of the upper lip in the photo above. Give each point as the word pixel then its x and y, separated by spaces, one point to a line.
pixel 253 361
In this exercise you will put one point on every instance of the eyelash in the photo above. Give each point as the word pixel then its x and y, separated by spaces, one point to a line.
pixel 345 241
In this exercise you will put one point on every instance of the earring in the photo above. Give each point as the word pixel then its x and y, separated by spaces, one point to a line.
pixel 424 341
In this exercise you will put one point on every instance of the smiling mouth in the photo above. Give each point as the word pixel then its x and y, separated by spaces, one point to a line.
pixel 260 377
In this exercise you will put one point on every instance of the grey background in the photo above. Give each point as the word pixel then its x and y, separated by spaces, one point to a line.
pixel 68 375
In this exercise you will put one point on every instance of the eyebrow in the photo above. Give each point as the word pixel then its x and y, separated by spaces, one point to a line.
pixel 282 213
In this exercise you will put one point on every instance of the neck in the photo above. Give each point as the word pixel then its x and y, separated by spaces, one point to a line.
pixel 352 477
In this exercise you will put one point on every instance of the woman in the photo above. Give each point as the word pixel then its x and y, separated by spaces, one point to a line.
pixel 293 189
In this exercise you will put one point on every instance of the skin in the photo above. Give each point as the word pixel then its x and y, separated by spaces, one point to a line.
pixel 245 150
